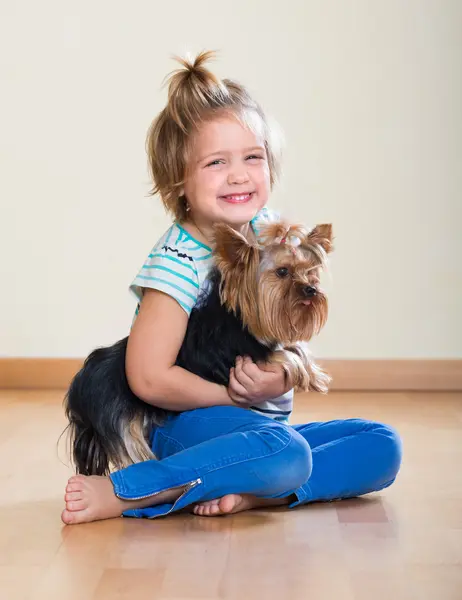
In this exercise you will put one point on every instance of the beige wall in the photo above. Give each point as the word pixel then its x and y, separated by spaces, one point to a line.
pixel 369 94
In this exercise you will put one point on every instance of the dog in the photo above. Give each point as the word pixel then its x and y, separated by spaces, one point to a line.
pixel 263 300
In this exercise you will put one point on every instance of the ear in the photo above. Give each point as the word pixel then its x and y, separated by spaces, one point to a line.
pixel 231 246
pixel 322 236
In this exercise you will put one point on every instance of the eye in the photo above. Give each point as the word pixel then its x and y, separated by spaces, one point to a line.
pixel 254 157
pixel 215 162
pixel 282 272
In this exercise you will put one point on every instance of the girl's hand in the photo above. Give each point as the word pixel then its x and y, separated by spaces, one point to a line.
pixel 251 383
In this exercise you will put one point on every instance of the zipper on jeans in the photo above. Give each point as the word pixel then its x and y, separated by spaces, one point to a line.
pixel 187 486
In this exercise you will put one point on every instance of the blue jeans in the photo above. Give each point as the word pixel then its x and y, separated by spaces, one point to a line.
pixel 210 452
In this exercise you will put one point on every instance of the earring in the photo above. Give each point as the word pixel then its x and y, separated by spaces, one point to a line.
pixel 185 203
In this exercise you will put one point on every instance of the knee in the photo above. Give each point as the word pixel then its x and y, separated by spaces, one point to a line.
pixel 299 461
pixel 291 461
pixel 391 449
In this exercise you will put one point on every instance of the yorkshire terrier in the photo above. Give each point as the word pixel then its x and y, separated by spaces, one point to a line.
pixel 263 300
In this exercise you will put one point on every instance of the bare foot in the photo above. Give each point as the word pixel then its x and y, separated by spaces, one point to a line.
pixel 234 503
pixel 92 498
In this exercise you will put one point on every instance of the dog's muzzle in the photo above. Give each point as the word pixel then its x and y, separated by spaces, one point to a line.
pixel 309 291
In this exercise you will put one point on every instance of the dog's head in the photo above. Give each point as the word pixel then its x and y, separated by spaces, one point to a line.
pixel 274 285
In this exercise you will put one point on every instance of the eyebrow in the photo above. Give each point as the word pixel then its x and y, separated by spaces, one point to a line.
pixel 245 150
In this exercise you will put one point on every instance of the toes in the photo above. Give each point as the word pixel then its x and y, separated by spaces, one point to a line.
pixel 73 496
pixel 203 510
pixel 73 487
pixel 209 502
pixel 208 509
pixel 77 479
pixel 72 518
pixel 214 510
pixel 226 504
pixel 231 503
pixel 76 505
pixel 77 483
pixel 67 517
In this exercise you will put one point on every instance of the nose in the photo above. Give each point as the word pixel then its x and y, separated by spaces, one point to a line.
pixel 309 291
pixel 238 174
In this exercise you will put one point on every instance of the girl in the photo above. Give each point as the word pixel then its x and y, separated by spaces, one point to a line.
pixel 214 158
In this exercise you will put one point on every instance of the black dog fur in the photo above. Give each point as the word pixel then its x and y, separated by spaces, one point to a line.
pixel 99 398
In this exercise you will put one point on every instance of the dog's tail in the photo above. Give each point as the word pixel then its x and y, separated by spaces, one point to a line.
pixel 108 426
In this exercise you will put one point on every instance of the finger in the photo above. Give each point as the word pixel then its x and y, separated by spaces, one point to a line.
pixel 239 400
pixel 268 367
pixel 242 377
pixel 251 370
pixel 236 387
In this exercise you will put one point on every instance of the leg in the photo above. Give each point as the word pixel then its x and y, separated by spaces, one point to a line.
pixel 175 437
pixel 350 458
pixel 218 451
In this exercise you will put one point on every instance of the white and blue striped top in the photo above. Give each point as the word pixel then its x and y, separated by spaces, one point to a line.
pixel 178 265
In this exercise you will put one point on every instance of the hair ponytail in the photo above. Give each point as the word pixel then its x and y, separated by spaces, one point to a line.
pixel 194 90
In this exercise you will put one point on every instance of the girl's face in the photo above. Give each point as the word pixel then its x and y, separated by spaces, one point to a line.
pixel 228 178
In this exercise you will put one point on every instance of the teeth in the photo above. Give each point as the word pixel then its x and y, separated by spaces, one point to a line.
pixel 240 197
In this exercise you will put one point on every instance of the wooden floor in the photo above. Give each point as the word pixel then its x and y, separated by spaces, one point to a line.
pixel 403 543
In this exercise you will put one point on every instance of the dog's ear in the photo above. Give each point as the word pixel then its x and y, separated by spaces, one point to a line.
pixel 231 247
pixel 322 236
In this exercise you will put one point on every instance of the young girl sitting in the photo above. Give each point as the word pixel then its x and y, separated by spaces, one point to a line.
pixel 214 159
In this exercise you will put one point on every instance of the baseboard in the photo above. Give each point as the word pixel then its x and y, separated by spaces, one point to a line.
pixel 360 375
pixel 37 373
pixel 394 375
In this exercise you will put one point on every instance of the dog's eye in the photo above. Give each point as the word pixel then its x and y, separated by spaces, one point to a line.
pixel 282 272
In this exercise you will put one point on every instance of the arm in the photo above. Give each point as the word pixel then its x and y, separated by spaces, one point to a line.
pixel 153 346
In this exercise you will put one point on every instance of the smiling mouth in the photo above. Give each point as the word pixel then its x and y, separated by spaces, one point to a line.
pixel 237 198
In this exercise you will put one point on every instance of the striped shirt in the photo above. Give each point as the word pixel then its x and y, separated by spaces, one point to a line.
pixel 178 265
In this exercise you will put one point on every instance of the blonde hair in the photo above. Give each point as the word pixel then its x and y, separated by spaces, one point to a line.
pixel 195 95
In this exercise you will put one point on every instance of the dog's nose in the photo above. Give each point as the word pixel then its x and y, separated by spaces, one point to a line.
pixel 309 291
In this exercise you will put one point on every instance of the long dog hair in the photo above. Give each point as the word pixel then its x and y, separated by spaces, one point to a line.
pixel 110 426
